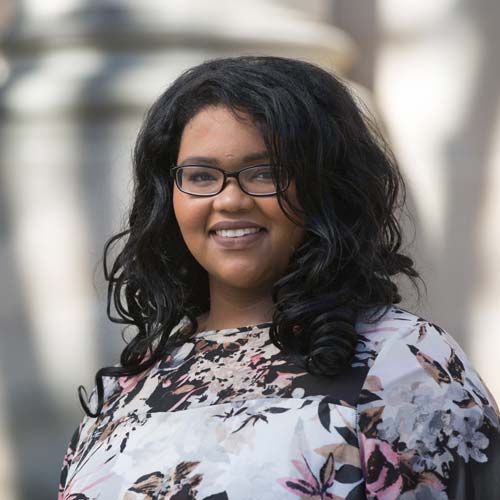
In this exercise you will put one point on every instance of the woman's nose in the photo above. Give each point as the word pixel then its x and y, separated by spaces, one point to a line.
pixel 232 198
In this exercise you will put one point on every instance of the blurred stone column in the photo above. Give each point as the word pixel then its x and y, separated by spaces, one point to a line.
pixel 436 83
pixel 81 76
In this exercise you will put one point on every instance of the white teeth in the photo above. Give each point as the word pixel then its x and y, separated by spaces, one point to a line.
pixel 234 233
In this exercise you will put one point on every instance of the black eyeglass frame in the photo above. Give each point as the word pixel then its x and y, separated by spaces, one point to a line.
pixel 226 174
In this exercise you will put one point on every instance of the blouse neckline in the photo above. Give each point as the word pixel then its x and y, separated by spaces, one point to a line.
pixel 233 330
pixel 223 331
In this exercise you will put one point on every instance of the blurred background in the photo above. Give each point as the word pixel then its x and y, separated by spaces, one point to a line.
pixel 75 79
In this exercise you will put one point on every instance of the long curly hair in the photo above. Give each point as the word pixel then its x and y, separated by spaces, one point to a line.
pixel 349 190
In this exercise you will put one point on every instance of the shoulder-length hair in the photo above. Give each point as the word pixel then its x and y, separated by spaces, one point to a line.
pixel 348 187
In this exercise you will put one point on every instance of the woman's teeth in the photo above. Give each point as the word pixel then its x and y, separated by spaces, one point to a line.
pixel 234 233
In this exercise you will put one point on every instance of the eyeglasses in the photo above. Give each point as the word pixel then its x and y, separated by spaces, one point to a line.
pixel 202 180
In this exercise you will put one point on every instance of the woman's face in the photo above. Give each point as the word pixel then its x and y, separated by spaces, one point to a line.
pixel 216 137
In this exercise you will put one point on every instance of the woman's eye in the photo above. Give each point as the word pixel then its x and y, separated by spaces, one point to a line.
pixel 264 175
pixel 200 177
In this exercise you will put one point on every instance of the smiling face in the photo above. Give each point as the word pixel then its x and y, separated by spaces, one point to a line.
pixel 251 262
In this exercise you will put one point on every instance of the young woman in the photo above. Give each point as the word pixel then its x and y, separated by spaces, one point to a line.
pixel 269 360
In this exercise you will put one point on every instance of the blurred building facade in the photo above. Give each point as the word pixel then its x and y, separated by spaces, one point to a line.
pixel 75 79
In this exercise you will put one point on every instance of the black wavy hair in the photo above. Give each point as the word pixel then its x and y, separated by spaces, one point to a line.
pixel 349 190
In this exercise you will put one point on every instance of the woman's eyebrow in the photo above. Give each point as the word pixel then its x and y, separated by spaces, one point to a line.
pixel 261 155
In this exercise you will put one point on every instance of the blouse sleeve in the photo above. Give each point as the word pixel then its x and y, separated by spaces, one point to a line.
pixel 84 431
pixel 67 461
pixel 428 427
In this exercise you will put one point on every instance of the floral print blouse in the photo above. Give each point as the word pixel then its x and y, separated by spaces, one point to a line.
pixel 227 415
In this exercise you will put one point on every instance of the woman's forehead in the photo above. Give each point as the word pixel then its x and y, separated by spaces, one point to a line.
pixel 209 160
pixel 215 133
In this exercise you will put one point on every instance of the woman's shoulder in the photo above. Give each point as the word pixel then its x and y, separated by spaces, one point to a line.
pixel 393 323
pixel 424 413
pixel 406 347
pixel 118 391
pixel 397 330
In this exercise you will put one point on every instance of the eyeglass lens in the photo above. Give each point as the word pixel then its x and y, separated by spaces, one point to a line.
pixel 207 180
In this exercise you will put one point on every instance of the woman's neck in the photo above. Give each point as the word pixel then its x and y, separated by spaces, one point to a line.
pixel 234 308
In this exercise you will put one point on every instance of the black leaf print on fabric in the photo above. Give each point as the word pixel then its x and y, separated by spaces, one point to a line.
pixel 124 442
pixel 225 394
pixel 185 493
pixel 327 472
pixel 357 493
pixel 364 355
pixel 324 414
pixel 324 411
pixel 254 418
pixel 307 402
pixel 64 475
pixel 101 432
pixel 366 397
pixel 148 484
pixel 310 486
pixel 348 435
pixel 183 469
pixel 231 413
pixel 432 367
pixel 277 409
pixel 398 310
pixel 436 327
pixel 129 396
pixel 455 367
pixel 348 474
pixel 77 496
pixel 218 496
pixel 160 401
pixel 422 332
pixel 300 486
pixel 467 402
pixel 478 393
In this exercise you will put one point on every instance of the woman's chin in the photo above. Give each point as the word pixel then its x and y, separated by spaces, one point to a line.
pixel 243 280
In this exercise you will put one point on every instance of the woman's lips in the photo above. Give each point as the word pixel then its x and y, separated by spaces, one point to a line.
pixel 238 242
